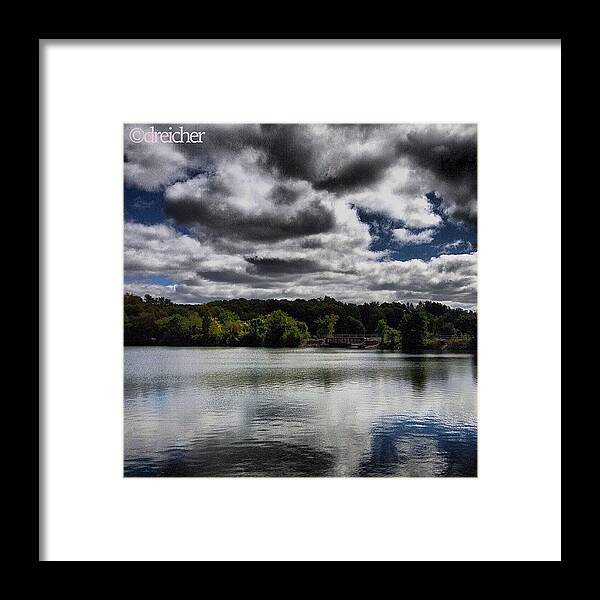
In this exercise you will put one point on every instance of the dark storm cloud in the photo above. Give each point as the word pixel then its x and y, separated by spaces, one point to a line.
pixel 284 194
pixel 339 159
pixel 358 173
pixel 288 150
pixel 294 151
pixel 282 266
pixel 336 158
pixel 297 151
pixel 226 276
pixel 299 211
pixel 312 244
pixel 197 272
pixel 449 154
pixel 228 220
pixel 452 159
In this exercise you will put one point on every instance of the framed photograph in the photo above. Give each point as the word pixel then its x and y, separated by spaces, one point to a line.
pixel 301 300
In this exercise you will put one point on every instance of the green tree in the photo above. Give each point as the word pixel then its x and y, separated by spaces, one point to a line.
pixel 414 329
pixel 326 325
pixel 446 328
pixel 349 324
pixel 215 331
pixel 382 328
pixel 141 329
pixel 256 331
pixel 283 331
pixel 390 337
pixel 174 330
pixel 151 321
pixel 233 331
pixel 195 324
pixel 132 299
pixel 371 314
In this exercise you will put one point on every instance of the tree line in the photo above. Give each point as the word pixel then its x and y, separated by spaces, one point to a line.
pixel 290 323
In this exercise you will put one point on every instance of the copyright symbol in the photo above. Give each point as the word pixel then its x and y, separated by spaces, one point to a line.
pixel 136 135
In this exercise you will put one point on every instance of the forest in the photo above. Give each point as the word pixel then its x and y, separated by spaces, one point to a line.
pixel 292 323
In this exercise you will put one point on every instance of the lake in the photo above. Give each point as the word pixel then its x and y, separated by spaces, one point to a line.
pixel 298 412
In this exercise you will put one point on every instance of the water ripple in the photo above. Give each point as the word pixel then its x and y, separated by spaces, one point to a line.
pixel 308 412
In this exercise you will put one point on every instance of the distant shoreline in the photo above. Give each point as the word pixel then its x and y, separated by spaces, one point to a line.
pixel 426 326
pixel 419 351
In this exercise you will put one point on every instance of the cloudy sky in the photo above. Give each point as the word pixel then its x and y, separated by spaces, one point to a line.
pixel 357 212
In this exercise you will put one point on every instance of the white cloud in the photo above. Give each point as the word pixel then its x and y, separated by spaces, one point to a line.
pixel 407 237
pixel 456 246
pixel 272 211
pixel 202 272
pixel 400 195
pixel 151 167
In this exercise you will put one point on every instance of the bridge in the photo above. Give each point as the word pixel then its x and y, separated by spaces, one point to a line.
pixel 351 340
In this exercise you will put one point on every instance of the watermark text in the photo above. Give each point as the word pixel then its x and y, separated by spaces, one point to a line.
pixel 169 136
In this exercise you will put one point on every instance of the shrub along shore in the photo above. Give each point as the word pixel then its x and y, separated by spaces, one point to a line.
pixel 427 326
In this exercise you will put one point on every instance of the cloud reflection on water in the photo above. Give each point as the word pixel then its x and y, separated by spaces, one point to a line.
pixel 220 412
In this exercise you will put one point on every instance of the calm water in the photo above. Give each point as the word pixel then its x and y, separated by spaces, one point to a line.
pixel 312 411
